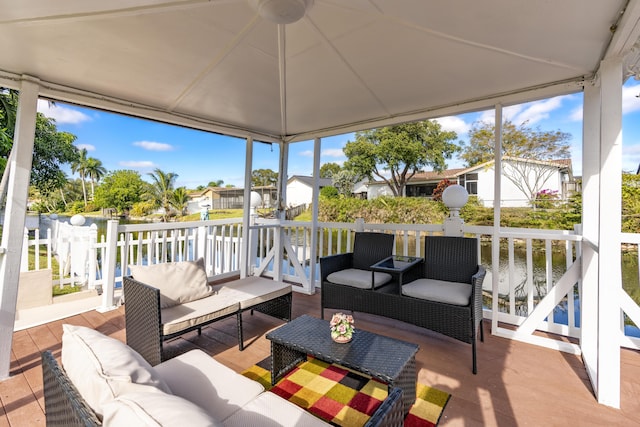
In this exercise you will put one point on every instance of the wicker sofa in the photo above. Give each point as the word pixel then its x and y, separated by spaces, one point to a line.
pixel 443 294
pixel 164 301
pixel 105 382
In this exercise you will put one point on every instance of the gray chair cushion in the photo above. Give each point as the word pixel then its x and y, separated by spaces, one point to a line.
pixel 359 278
pixel 438 290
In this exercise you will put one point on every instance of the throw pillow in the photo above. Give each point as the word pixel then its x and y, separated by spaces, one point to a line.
pixel 179 282
pixel 103 368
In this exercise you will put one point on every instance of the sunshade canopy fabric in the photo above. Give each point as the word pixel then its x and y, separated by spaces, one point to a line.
pixel 346 65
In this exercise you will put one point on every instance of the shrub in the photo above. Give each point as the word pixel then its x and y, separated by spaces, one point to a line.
pixel 76 207
pixel 545 199
pixel 142 208
pixel 329 192
pixel 393 210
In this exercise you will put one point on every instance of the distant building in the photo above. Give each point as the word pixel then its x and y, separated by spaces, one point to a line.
pixel 229 198
pixel 300 189
pixel 554 175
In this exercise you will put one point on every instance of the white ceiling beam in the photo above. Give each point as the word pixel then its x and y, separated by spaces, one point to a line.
pixel 93 10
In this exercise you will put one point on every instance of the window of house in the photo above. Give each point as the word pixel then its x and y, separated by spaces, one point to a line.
pixel 471 183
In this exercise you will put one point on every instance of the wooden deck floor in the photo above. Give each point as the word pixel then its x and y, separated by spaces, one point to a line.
pixel 517 384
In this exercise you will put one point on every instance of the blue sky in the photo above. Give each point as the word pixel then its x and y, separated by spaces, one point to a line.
pixel 122 142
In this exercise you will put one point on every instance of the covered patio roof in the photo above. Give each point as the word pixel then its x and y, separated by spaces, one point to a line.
pixel 344 66
pixel 217 65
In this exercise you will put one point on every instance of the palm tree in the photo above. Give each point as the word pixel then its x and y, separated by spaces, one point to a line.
pixel 95 171
pixel 162 190
pixel 180 200
pixel 80 166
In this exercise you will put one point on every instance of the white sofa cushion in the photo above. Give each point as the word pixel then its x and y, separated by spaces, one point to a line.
pixel 180 317
pixel 200 379
pixel 270 410
pixel 179 282
pixel 103 368
pixel 359 278
pixel 155 410
pixel 439 290
pixel 252 290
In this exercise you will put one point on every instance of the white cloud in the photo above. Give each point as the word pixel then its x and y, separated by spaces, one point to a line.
pixel 332 152
pixel 630 158
pixel 87 147
pixel 140 164
pixel 453 123
pixel 306 153
pixel 61 114
pixel 153 146
pixel 537 111
pixel 630 100
pixel 576 114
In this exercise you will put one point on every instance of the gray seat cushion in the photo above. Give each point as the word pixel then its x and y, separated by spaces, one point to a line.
pixel 439 290
pixel 359 278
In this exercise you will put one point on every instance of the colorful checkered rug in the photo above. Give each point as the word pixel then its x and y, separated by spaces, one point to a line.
pixel 343 397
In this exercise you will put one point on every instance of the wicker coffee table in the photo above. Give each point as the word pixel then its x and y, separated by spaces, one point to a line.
pixel 387 359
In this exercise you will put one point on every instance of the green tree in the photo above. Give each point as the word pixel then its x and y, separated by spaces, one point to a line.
pixel 327 170
pixel 216 183
pixel 343 181
pixel 95 171
pixel 161 190
pixel 630 203
pixel 79 166
pixel 527 152
pixel 120 189
pixel 395 153
pixel 180 199
pixel 263 177
pixel 517 141
pixel 51 151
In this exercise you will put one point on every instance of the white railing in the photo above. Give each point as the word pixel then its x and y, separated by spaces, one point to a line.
pixel 531 262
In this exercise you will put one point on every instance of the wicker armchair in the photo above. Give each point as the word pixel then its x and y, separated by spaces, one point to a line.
pixel 446 294
pixel 368 249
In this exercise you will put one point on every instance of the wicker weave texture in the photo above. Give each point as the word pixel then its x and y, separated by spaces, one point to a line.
pixel 143 319
pixel 143 323
pixel 390 413
pixel 369 248
pixel 458 258
pixel 387 359
pixel 63 404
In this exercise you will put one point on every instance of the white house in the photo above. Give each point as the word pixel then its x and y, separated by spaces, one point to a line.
pixel 300 189
pixel 521 179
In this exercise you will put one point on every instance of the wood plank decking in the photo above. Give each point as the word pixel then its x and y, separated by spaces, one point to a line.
pixel 517 384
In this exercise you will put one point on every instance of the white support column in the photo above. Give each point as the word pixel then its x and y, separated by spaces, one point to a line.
pixel 14 217
pixel 590 230
pixel 610 210
pixel 315 198
pixel 109 267
pixel 246 212
pixel 282 206
pixel 495 243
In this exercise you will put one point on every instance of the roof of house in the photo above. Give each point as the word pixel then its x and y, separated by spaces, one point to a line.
pixel 308 180
pixel 434 176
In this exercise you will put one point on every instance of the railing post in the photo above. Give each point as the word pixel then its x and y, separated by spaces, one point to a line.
pixel 201 246
pixel 24 259
pixel 92 251
pixel 278 236
pixel 109 267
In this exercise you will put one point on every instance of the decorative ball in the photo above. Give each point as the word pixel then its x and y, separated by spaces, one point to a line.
pixel 256 200
pixel 455 196
pixel 77 220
